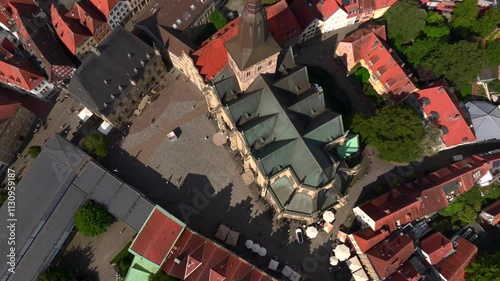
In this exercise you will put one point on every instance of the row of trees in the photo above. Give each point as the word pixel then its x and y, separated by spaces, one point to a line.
pixel 436 48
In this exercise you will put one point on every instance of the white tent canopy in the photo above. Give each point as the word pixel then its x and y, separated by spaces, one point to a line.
pixel 262 251
pixel 287 271
pixel 105 128
pixel 312 232
pixel 295 276
pixel 249 244
pixel 360 275
pixel 334 261
pixel 274 265
pixel 354 264
pixel 328 216
pixel 342 252
pixel 85 114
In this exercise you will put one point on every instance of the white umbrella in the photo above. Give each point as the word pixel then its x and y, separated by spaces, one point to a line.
pixel 255 248
pixel 312 232
pixel 360 275
pixel 334 261
pixel 342 252
pixel 354 264
pixel 249 244
pixel 274 265
pixel 328 216
pixel 287 271
pixel 262 251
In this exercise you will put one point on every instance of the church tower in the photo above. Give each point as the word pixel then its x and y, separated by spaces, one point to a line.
pixel 253 51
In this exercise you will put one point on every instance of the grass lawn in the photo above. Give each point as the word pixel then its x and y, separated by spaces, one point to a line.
pixel 335 98
pixel 123 260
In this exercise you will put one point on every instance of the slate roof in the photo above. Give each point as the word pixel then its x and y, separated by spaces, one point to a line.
pixel 253 42
pixel 100 76
pixel 47 197
pixel 485 119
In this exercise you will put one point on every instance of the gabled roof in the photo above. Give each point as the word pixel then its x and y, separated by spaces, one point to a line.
pixel 194 260
pixel 157 236
pixel 436 247
pixel 307 11
pixel 368 44
pixel 387 256
pixel 485 118
pixel 442 109
pixel 20 72
pixel 367 238
pixel 105 6
pixel 253 42
pixel 217 263
pixel 88 15
pixel 8 108
pixel 68 29
pixel 281 22
pixel 101 76
pixel 212 57
pixel 452 267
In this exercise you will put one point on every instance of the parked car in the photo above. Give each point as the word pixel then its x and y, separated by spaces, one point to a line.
pixel 300 235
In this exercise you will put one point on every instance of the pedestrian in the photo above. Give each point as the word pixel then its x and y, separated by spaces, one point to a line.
pixel 206 138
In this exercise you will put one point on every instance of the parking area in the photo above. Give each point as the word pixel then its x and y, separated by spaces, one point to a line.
pixel 89 257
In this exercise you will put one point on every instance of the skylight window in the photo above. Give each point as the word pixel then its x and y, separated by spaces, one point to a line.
pixel 178 21
pixel 193 7
pixel 174 26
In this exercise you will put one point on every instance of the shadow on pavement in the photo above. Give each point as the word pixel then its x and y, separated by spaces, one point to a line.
pixel 78 260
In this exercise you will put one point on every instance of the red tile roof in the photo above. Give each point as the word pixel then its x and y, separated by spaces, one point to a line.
pixel 157 237
pixel 368 44
pixel 68 29
pixel 366 238
pixel 217 263
pixel 438 102
pixel 281 22
pixel 406 272
pixel 212 57
pixel 36 106
pixel 422 197
pixel 105 6
pixel 452 268
pixel 388 256
pixel 88 16
pixel 494 211
pixel 306 13
pixel 436 247
pixel 17 70
pixel 8 108
pixel 5 16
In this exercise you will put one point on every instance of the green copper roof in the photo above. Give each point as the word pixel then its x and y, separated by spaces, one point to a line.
pixel 349 147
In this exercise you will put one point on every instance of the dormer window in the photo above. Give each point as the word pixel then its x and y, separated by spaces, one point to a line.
pixel 178 21
pixel 193 7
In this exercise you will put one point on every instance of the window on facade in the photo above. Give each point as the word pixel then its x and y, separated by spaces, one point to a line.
pixel 270 62
pixel 476 175
pixel 248 73
pixel 259 67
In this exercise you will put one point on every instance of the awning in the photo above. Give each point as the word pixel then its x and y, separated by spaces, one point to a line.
pixel 255 248
pixel 327 227
pixel 232 238
pixel 360 275
pixel 342 236
pixel 342 252
pixel 328 216
pixel 85 114
pixel 262 251
pixel 249 244
pixel 105 128
pixel 312 232
pixel 222 232
pixel 287 271
pixel 295 276
pixel 334 261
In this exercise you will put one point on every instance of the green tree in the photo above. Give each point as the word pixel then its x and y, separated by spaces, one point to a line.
pixel 465 14
pixel 452 209
pixel 161 276
pixel 436 31
pixel 493 53
pixel 488 22
pixel 420 50
pixel 33 151
pixel 362 75
pixel 92 219
pixel 405 21
pixel 97 145
pixel 396 132
pixel 218 19
pixel 484 268
pixel 434 18
pixel 56 274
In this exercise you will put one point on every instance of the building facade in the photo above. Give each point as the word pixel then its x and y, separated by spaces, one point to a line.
pixel 117 76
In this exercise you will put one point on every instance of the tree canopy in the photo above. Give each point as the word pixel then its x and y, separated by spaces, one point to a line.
pixel 33 151
pixel 56 274
pixel 92 219
pixel 484 268
pixel 97 145
pixel 218 19
pixel 396 132
pixel 405 21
